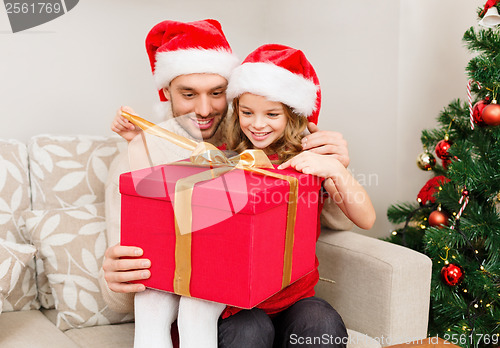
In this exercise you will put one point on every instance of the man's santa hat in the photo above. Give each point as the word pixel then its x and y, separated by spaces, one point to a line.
pixel 279 73
pixel 176 48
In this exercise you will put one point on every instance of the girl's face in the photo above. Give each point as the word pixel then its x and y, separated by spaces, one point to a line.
pixel 263 121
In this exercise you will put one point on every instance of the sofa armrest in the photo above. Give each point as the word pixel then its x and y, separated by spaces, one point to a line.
pixel 379 288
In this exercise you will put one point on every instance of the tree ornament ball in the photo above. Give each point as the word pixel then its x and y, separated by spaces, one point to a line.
pixel 491 115
pixel 477 112
pixel 452 274
pixel 426 161
pixel 438 218
pixel 442 149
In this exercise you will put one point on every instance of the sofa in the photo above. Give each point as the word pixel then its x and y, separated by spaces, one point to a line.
pixel 52 243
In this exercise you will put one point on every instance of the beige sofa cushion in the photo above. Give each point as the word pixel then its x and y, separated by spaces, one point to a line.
pixel 31 329
pixel 14 259
pixel 104 336
pixel 14 199
pixel 71 243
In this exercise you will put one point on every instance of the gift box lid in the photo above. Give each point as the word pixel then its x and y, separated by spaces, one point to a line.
pixel 239 191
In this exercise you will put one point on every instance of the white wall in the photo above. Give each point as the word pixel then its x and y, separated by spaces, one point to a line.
pixel 432 63
pixel 386 68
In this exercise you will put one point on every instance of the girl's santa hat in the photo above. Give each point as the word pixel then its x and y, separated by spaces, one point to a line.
pixel 279 73
pixel 176 48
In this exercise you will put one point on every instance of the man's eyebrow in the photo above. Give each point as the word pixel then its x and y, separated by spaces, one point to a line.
pixel 185 88
pixel 224 86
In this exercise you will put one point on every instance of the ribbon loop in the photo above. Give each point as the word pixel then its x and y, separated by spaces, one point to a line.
pixel 206 154
pixel 254 159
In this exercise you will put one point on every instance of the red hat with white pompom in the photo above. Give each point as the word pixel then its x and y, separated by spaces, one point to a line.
pixel 176 48
pixel 279 73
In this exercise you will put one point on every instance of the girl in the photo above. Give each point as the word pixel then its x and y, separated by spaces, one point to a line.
pixel 275 93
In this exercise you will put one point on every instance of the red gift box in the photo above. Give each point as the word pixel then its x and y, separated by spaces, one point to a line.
pixel 238 230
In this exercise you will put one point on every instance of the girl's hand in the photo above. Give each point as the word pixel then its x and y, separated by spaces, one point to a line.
pixel 307 162
pixel 345 191
pixel 124 127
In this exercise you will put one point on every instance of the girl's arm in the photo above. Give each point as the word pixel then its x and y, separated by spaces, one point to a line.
pixel 124 127
pixel 346 191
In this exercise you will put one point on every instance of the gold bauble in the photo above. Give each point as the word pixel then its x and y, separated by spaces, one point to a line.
pixel 426 161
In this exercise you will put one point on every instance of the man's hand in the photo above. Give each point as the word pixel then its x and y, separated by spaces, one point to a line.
pixel 326 143
pixel 123 127
pixel 118 271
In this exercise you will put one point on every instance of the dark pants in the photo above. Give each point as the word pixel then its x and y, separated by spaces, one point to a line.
pixel 310 322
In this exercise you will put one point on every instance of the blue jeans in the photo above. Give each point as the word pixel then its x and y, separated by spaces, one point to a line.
pixel 310 322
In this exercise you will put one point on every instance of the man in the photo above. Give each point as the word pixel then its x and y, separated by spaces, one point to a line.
pixel 191 63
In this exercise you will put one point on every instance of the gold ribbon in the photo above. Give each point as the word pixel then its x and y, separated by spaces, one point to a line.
pixel 207 155
pixel 153 129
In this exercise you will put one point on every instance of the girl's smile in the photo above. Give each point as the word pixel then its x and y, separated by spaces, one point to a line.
pixel 261 120
pixel 260 135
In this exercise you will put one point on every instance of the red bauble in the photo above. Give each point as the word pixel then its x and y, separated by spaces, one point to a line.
pixel 477 112
pixel 491 115
pixel 438 218
pixel 442 149
pixel 452 274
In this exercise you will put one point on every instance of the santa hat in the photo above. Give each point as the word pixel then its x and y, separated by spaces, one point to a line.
pixel 279 73
pixel 176 48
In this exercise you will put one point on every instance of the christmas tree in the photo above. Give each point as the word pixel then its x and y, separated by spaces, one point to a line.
pixel 456 218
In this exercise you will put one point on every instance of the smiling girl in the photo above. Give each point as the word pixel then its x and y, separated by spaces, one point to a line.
pixel 276 93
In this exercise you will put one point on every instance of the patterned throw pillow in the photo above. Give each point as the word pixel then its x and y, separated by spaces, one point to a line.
pixel 71 243
pixel 14 186
pixel 14 199
pixel 14 258
pixel 67 171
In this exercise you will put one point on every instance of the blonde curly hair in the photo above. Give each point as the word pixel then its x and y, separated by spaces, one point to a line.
pixel 287 146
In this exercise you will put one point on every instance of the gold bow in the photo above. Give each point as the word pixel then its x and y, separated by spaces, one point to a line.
pixel 207 155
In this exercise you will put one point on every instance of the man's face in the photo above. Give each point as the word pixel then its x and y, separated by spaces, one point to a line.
pixel 198 103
